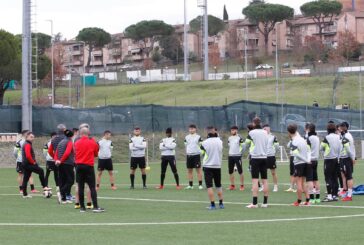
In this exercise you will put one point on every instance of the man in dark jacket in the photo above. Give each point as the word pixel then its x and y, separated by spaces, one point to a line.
pixel 56 140
pixel 64 158
pixel 30 165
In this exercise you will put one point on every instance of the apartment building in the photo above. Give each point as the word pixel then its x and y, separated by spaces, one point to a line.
pixel 287 35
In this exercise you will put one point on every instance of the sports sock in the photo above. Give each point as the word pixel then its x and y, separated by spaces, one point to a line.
pixel 265 200
pixel 213 204
pixel 307 199
pixel 97 185
pixel 20 188
pixel 299 200
pixel 318 196
pixel 89 204
pixel 200 182
pixel 32 187
pixel 341 184
pixel 255 200
pixel 163 176
pixel 312 196
pixel 176 177
pixel 132 177
pixel 350 192
pixel 144 178
pixel 190 183
pixel 112 184
pixel 221 202
pixel 77 204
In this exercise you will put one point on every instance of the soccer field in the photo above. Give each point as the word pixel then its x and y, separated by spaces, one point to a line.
pixel 177 217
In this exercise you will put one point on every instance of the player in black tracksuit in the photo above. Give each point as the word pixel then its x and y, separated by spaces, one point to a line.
pixel 167 147
pixel 64 158
pixel 30 165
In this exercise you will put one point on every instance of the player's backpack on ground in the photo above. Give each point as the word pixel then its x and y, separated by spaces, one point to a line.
pixel 358 190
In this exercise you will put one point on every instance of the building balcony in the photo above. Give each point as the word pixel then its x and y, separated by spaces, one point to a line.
pixel 248 48
pixel 77 52
pixel 115 52
pixel 114 61
pixel 136 57
pixel 289 33
pixel 329 30
pixel 97 53
pixel 96 63
pixel 77 63
pixel 253 36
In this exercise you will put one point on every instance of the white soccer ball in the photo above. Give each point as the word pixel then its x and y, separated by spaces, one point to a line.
pixel 47 194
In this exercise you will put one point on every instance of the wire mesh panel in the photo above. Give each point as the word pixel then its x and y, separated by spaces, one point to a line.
pixel 155 118
pixel 7 143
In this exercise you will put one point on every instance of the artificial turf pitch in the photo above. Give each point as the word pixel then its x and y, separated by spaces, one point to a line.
pixel 178 217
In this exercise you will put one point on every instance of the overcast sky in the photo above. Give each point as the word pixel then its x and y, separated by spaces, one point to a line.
pixel 114 16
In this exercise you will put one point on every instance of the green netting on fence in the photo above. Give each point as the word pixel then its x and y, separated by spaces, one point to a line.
pixel 154 118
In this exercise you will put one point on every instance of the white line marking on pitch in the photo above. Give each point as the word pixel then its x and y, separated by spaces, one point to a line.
pixel 194 201
pixel 157 184
pixel 232 203
pixel 185 222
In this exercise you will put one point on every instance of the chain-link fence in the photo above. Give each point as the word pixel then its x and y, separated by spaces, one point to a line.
pixel 154 118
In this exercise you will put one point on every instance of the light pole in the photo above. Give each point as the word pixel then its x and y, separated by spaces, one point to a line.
pixel 70 65
pixel 52 57
pixel 360 103
pixel 26 67
pixel 83 77
pixel 185 41
pixel 277 65
pixel 203 4
pixel 246 62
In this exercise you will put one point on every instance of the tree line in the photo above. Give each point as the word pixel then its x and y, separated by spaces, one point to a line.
pixel 146 33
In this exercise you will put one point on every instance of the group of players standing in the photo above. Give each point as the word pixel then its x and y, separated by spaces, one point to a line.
pixel 71 151
pixel 67 152
pixel 338 149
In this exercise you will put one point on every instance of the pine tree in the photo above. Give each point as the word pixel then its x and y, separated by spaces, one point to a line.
pixel 226 15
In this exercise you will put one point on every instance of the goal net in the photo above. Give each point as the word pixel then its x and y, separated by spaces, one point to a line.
pixel 282 156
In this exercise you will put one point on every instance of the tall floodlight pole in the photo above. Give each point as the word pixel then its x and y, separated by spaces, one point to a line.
pixel 84 75
pixel 26 67
pixel 246 62
pixel 185 43
pixel 52 57
pixel 277 65
pixel 206 43
pixel 360 102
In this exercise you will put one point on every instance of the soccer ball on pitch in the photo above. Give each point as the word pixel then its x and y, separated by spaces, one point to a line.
pixel 47 194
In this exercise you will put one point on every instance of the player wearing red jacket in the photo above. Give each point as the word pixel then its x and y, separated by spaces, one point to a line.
pixel 65 160
pixel 30 165
pixel 86 149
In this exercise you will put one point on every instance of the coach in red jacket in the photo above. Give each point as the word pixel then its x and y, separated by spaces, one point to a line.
pixel 86 149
